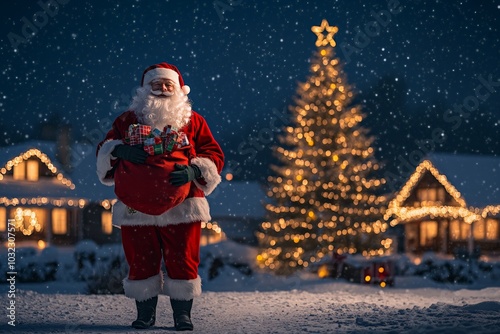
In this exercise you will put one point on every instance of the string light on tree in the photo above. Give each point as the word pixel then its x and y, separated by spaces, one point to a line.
pixel 325 189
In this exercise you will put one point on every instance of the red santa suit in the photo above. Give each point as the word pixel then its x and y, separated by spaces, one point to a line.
pixel 157 219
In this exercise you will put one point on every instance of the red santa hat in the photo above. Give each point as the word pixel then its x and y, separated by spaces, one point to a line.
pixel 164 71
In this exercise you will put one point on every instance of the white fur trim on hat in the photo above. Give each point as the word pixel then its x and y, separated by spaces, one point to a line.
pixel 193 209
pixel 165 73
pixel 180 289
pixel 104 158
pixel 209 173
pixel 161 73
pixel 145 289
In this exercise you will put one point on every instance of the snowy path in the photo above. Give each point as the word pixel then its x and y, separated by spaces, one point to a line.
pixel 323 308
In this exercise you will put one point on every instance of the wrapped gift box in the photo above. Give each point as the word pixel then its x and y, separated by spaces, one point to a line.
pixel 137 134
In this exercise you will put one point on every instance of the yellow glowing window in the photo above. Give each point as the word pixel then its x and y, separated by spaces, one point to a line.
pixel 428 233
pixel 491 229
pixel 459 230
pixel 19 172
pixel 32 170
pixel 106 222
pixel 3 219
pixel 441 195
pixel 479 229
pixel 59 221
pixel 29 220
pixel 455 230
pixel 431 195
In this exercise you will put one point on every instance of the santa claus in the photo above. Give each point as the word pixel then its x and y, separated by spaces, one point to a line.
pixel 162 160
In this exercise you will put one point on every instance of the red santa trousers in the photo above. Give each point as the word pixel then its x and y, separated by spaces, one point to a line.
pixel 178 245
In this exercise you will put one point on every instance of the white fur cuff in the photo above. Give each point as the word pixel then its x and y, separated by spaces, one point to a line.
pixel 209 173
pixel 180 289
pixel 191 210
pixel 104 161
pixel 145 289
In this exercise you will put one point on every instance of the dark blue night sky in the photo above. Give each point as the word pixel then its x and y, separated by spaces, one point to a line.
pixel 243 59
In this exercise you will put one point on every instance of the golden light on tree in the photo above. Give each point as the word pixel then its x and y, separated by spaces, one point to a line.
pixel 324 188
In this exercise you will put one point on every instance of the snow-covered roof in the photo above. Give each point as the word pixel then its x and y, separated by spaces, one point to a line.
pixel 237 199
pixel 476 177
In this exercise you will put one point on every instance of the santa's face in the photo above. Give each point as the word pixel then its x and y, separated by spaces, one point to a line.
pixel 161 103
pixel 163 88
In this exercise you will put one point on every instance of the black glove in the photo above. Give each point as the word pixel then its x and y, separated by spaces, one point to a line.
pixel 133 154
pixel 184 174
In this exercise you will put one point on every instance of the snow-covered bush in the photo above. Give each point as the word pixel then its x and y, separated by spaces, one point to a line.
pixel 110 269
pixel 85 255
pixel 445 270
pixel 32 266
pixel 450 271
pixel 102 268
pixel 226 256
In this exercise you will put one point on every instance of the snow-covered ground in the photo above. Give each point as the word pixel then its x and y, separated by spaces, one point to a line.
pixel 314 307
pixel 263 303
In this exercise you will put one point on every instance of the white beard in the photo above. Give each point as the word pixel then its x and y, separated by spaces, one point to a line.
pixel 159 112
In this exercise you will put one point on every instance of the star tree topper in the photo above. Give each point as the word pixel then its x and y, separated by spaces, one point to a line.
pixel 320 32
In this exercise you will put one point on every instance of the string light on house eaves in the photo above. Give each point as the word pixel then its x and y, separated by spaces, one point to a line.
pixel 43 158
pixel 39 201
pixel 400 213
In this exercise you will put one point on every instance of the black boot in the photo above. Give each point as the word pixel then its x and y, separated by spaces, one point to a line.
pixel 182 314
pixel 146 313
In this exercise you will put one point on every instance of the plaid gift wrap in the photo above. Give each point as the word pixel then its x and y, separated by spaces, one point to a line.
pixel 153 145
pixel 170 141
pixel 137 133
pixel 155 141
pixel 154 149
pixel 169 136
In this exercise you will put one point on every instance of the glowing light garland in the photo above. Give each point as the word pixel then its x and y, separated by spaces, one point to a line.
pixel 39 201
pixel 20 217
pixel 43 158
pixel 403 213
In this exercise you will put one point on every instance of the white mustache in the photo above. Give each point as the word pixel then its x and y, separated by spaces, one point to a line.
pixel 161 93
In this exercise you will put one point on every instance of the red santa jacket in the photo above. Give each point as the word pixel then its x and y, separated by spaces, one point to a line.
pixel 143 190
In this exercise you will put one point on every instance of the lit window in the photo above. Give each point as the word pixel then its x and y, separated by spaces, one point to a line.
pixel 479 229
pixel 19 171
pixel 431 195
pixel 427 195
pixel 59 221
pixel 3 219
pixel 441 195
pixel 465 230
pixel 106 222
pixel 491 229
pixel 459 230
pixel 428 233
pixel 455 230
pixel 29 221
pixel 32 170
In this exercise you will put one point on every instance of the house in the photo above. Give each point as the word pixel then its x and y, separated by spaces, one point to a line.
pixel 450 205
pixel 50 203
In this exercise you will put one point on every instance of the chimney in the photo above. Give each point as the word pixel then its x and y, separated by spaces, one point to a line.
pixel 63 144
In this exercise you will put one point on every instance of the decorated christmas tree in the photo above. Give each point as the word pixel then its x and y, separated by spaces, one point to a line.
pixel 325 191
